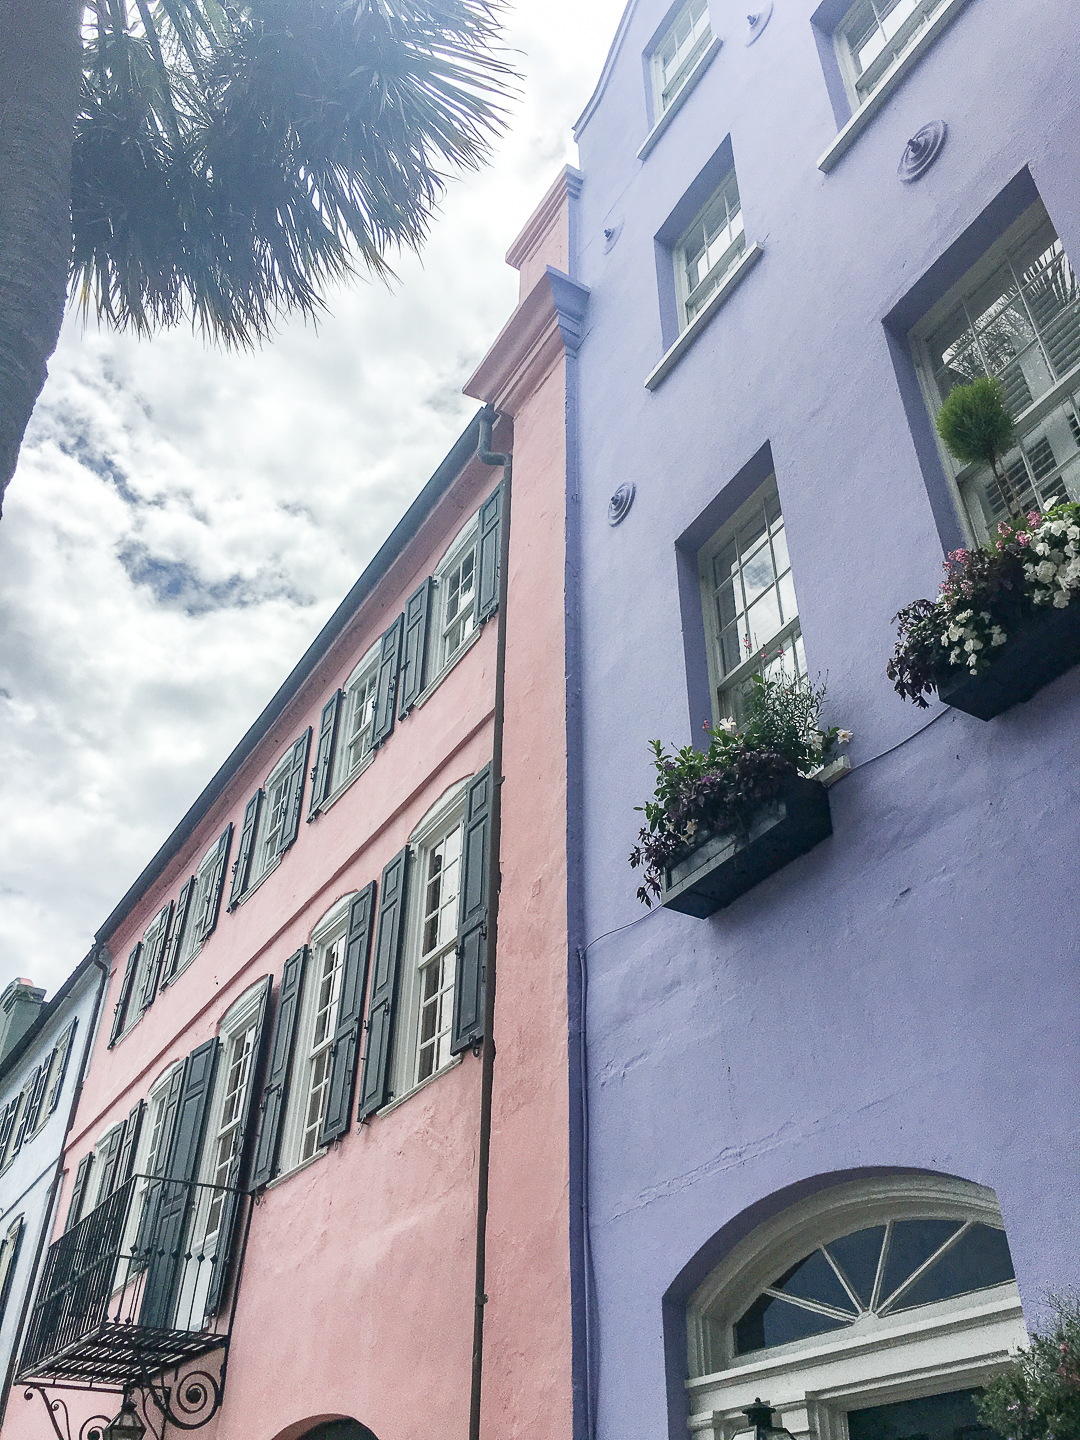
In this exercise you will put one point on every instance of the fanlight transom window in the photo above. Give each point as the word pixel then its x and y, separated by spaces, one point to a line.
pixel 880 1270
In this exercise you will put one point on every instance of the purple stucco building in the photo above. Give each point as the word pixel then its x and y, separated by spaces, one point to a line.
pixel 813 1117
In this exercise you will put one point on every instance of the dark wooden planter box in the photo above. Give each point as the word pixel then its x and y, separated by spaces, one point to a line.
pixel 723 868
pixel 1040 650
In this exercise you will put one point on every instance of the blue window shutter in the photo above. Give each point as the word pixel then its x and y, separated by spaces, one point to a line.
pixel 245 850
pixel 489 527
pixel 414 647
pixel 124 998
pixel 230 1209
pixel 78 1191
pixel 386 688
pixel 375 1076
pixel 155 942
pixel 468 1026
pixel 276 1090
pixel 295 795
pixel 322 772
pixel 346 1050
pixel 181 916
pixel 212 901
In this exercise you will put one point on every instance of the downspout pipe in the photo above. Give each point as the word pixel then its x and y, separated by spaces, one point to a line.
pixel 104 964
pixel 487 456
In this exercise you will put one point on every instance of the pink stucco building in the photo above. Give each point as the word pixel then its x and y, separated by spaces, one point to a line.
pixel 279 1152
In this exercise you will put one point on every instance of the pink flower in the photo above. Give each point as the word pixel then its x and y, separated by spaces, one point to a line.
pixel 1034 517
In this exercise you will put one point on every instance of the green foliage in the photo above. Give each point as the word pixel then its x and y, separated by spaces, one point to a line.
pixel 974 423
pixel 717 790
pixel 229 161
pixel 1038 1397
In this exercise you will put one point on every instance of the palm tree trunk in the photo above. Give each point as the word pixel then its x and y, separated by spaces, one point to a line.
pixel 39 83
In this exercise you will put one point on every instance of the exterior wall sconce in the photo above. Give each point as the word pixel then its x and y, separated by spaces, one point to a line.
pixel 126 1425
pixel 761 1427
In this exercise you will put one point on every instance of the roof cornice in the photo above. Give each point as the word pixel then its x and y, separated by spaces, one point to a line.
pixel 550 321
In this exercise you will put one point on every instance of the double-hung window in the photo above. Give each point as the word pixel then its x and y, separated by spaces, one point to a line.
pixel 275 816
pixel 354 746
pixel 681 47
pixel 1015 316
pixel 455 588
pixel 876 35
pixel 748 597
pixel 709 249
pixel 313 1055
pixel 199 913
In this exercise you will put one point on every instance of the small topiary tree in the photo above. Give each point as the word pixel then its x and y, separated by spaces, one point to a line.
pixel 978 430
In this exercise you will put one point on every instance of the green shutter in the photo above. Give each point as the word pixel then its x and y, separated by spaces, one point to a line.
pixel 78 1190
pixel 375 1076
pixel 322 772
pixel 468 1027
pixel 488 541
pixel 124 999
pixel 181 917
pixel 387 686
pixel 414 647
pixel 246 849
pixel 276 1091
pixel 346 1050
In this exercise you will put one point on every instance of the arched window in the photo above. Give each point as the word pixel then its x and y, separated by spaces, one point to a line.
pixel 874 1310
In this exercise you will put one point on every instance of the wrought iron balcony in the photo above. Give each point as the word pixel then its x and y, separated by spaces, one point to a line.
pixel 132 1289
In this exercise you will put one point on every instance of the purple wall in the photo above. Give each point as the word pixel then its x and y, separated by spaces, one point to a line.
pixel 906 994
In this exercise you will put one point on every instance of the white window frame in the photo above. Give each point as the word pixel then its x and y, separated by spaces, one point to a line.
pixel 693 300
pixel 440 659
pixel 788 639
pixel 687 54
pixel 919 16
pixel 444 817
pixel 60 1062
pixel 966 480
pixel 150 1135
pixel 265 855
pixel 357 692
pixel 96 1171
pixel 329 932
pixel 9 1257
pixel 953 1344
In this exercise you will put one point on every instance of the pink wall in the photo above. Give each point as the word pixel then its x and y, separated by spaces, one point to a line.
pixel 356 1296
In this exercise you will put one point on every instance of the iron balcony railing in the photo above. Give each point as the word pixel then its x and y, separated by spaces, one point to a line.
pixel 134 1288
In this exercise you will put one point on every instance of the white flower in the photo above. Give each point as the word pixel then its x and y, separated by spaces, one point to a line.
pixel 1073 532
pixel 843 737
pixel 972 645
pixel 954 656
pixel 964 617
pixel 1061 599
pixel 1046 570
pixel 1058 527
pixel 997 636
pixel 727 726
pixel 1041 548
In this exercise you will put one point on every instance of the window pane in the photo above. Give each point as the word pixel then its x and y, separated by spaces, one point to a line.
pixel 788 603
pixel 774 1322
pixel 815 1279
pixel 910 1243
pixel 763 620
pixel 978 1259
pixel 932 1417
pixel 857 1255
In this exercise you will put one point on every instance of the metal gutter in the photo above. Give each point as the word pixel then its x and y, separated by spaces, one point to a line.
pixel 403 532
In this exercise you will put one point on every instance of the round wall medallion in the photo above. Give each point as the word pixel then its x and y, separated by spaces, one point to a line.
pixel 611 234
pixel 620 503
pixel 757 20
pixel 921 151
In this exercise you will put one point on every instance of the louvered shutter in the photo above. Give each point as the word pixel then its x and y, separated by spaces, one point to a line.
pixel 64 1049
pixel 120 1012
pixel 24 1118
pixel 7 1125
pixel 414 647
pixel 129 1145
pixel 154 943
pixel 472 915
pixel 346 1049
pixel 176 1200
pixel 231 1205
pixel 276 1090
pixel 12 1246
pixel 295 795
pixel 487 556
pixel 375 1076
pixel 208 916
pixel 179 929
pixel 37 1094
pixel 242 864
pixel 386 688
pixel 78 1190
pixel 155 1190
pixel 322 772
pixel 107 1161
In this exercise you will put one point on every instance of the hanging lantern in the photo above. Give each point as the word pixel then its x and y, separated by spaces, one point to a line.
pixel 126 1425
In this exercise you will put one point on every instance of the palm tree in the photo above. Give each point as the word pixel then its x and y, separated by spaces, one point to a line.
pixel 220 163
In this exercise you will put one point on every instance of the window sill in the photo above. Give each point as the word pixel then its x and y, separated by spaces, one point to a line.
pixel 890 81
pixel 433 685
pixel 750 256
pixel 679 99
pixel 246 896
pixel 294 1170
pixel 335 795
pixel 401 1099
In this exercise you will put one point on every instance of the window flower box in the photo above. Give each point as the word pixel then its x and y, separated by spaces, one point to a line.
pixel 724 867
pixel 1038 651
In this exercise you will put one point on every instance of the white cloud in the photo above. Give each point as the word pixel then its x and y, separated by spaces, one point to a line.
pixel 183 521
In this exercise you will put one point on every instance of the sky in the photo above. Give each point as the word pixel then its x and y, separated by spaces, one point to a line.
pixel 183 520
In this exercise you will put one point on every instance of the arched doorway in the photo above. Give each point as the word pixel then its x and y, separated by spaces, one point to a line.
pixel 340 1430
pixel 872 1310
